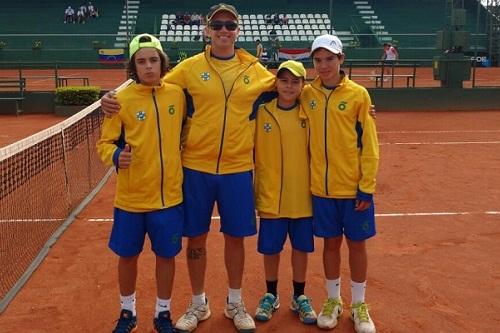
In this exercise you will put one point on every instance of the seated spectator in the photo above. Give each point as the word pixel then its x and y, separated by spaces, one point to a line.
pixel 80 16
pixel 186 19
pixel 91 10
pixel 268 18
pixel 284 19
pixel 68 15
pixel 83 9
pixel 276 19
pixel 178 18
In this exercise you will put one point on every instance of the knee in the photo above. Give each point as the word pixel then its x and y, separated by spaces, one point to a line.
pixel 233 242
pixel 197 242
pixel 356 246
pixel 333 244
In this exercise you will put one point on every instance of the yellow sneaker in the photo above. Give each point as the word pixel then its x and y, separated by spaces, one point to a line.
pixel 330 313
pixel 361 318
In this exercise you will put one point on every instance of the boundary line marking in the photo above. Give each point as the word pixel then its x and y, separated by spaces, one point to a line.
pixel 110 219
pixel 377 215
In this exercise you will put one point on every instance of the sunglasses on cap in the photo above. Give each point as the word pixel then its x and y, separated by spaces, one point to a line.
pixel 217 25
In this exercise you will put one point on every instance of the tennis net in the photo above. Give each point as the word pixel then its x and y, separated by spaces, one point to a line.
pixel 43 179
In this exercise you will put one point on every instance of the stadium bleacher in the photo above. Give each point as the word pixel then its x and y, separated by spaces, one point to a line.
pixel 362 25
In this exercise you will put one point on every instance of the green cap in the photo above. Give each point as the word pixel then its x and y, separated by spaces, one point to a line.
pixel 135 45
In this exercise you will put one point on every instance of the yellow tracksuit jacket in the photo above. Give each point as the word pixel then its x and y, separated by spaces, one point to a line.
pixel 218 136
pixel 269 163
pixel 343 144
pixel 150 121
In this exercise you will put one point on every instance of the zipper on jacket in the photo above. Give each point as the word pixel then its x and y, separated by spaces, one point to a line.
pixel 161 151
pixel 326 142
pixel 226 98
pixel 282 158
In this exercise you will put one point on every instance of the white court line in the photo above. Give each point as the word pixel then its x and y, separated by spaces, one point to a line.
pixel 31 220
pixel 438 143
pixel 218 217
pixel 377 215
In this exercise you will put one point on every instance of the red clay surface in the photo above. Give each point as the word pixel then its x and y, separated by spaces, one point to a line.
pixel 433 266
pixel 107 79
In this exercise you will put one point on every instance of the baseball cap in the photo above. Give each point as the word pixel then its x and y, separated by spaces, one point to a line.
pixel 135 44
pixel 222 7
pixel 330 42
pixel 295 67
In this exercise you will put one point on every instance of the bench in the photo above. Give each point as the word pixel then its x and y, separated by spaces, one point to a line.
pixel 17 86
pixel 62 81
pixel 378 78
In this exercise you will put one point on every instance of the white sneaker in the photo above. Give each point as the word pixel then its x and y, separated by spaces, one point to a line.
pixel 241 319
pixel 362 321
pixel 330 313
pixel 193 315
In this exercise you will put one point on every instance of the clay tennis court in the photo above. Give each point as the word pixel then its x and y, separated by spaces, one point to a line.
pixel 107 79
pixel 433 266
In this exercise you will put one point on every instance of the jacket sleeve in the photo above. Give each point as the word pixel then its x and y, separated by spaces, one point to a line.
pixel 266 78
pixel 369 151
pixel 178 74
pixel 107 147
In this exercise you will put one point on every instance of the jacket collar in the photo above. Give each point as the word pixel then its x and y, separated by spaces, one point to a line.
pixel 243 56
pixel 143 89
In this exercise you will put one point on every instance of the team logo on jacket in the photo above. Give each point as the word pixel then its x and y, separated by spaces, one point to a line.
pixel 342 105
pixel 246 79
pixel 313 104
pixel 141 115
pixel 171 109
pixel 267 127
pixel 205 76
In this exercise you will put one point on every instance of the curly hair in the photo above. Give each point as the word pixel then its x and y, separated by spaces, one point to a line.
pixel 132 70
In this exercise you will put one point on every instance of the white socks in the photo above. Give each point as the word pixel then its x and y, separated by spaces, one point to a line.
pixel 198 299
pixel 162 305
pixel 234 295
pixel 333 288
pixel 358 292
pixel 128 303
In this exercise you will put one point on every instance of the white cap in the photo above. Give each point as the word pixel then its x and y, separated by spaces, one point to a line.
pixel 330 42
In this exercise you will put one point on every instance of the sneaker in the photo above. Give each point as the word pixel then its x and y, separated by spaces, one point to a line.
pixel 241 319
pixel 126 323
pixel 267 305
pixel 163 324
pixel 302 306
pixel 330 313
pixel 361 318
pixel 194 314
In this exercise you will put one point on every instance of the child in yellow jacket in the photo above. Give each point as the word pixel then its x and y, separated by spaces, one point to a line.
pixel 344 162
pixel 143 142
pixel 282 190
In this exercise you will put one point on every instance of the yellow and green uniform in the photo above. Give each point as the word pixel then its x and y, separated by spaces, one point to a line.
pixel 343 143
pixel 282 186
pixel 150 121
pixel 218 137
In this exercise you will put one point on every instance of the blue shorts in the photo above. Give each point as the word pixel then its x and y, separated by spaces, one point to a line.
pixel 164 228
pixel 234 196
pixel 334 217
pixel 272 234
